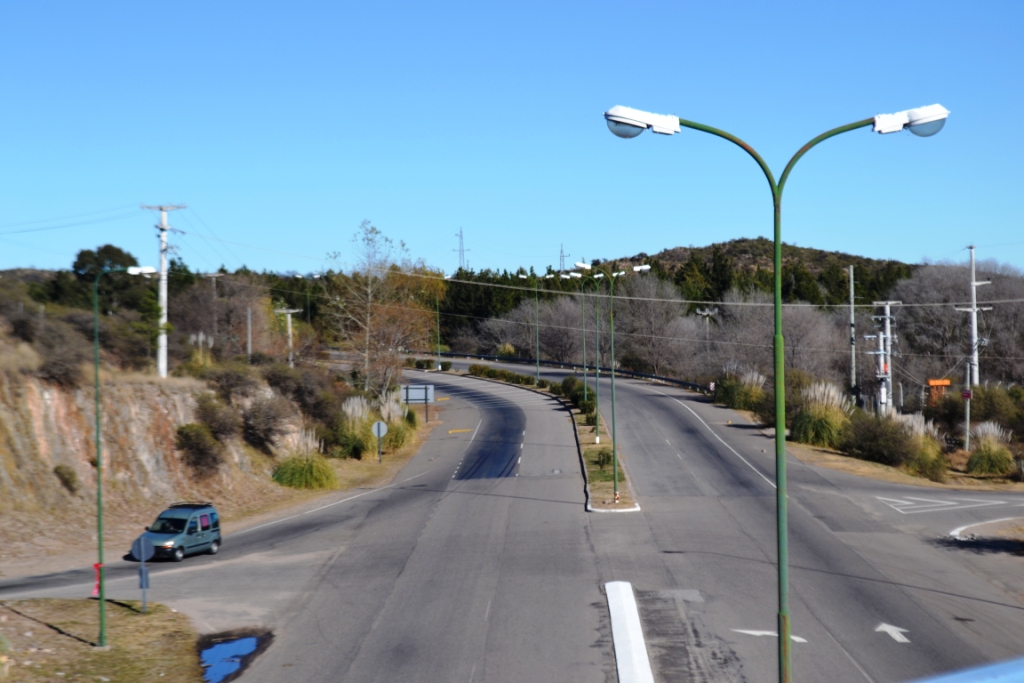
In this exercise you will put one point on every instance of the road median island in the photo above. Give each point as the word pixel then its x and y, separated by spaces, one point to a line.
pixel 53 639
pixel 595 459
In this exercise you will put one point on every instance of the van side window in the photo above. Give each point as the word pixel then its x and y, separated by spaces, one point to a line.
pixel 204 522
pixel 216 520
pixel 193 527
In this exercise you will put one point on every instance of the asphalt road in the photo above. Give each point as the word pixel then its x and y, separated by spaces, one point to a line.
pixel 480 563
pixel 863 554
pixel 476 565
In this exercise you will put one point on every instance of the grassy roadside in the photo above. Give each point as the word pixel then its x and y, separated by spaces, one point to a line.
pixel 52 640
pixel 600 475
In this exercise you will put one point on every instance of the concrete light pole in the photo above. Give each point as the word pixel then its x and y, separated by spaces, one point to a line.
pixel 973 310
pixel 161 342
pixel 288 312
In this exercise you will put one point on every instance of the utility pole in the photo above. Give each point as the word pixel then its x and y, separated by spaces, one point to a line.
pixel 213 281
pixel 561 258
pixel 967 412
pixel 885 339
pixel 288 312
pixel 853 341
pixel 706 313
pixel 248 334
pixel 161 342
pixel 973 379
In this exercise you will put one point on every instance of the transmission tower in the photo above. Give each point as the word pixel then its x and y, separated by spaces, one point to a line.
pixel 462 251
pixel 561 258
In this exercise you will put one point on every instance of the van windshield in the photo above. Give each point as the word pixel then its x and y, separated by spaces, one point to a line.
pixel 167 525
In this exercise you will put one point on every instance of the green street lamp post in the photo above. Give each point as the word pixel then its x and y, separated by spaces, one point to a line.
pixel 924 122
pixel 583 319
pixel 536 329
pixel 133 270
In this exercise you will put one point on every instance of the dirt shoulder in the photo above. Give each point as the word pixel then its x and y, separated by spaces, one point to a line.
pixel 45 542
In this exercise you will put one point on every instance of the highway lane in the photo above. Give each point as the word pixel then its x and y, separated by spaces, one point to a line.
pixel 475 566
pixel 701 555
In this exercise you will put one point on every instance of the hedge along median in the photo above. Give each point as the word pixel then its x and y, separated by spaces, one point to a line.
pixel 596 461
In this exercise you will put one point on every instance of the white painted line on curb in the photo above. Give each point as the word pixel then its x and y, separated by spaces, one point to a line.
pixel 955 533
pixel 627 634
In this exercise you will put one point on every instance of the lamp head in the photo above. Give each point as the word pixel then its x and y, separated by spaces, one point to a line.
pixel 548 277
pixel 626 122
pixel 584 266
pixel 563 276
pixel 598 276
pixel 641 269
pixel 619 274
pixel 575 275
pixel 923 121
pixel 522 277
pixel 141 270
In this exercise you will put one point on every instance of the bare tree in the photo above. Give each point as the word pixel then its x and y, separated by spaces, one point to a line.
pixel 651 318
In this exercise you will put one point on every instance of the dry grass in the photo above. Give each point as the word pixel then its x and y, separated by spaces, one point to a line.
pixel 602 488
pixel 52 640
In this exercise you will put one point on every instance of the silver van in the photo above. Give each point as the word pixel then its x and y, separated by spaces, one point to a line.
pixel 185 529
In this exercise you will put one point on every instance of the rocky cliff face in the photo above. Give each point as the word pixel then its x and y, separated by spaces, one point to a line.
pixel 43 426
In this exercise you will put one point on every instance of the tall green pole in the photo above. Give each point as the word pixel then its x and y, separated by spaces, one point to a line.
pixel 102 641
pixel 437 309
pixel 536 355
pixel 597 371
pixel 583 319
pixel 781 503
pixel 615 441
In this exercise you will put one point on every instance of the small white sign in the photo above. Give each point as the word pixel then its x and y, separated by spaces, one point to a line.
pixel 380 429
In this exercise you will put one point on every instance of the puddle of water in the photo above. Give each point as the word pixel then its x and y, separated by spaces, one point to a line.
pixel 226 658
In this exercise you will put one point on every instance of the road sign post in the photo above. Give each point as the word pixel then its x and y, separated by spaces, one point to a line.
pixel 419 393
pixel 379 430
pixel 142 550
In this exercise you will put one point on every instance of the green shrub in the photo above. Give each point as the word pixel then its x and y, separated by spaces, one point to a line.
pixel 446 365
pixel 202 452
pixel 603 458
pixel 67 476
pixel 306 472
pixel 283 378
pixel 222 420
pixel 233 380
pixel 264 421
pixel 396 437
pixel 819 425
pixel 929 461
pixel 410 418
pixel 422 364
pixel 528 380
pixel 493 373
pixel 506 350
pixel 587 407
pixel 592 419
pixel 990 457
pixel 568 385
pixel 878 439
pixel 542 384
pixel 410 362
pixel 478 370
pixel 555 389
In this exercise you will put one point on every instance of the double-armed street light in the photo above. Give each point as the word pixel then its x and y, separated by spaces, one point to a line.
pixel 145 271
pixel 626 122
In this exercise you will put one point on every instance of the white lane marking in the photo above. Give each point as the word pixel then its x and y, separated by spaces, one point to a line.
pixel 679 456
pixel 668 442
pixel 323 507
pixel 524 432
pixel 773 634
pixel 955 533
pixel 895 631
pixel 627 634
pixel 520 460
pixel 770 482
pixel 913 505
pixel 521 445
pixel 488 611
pixel 476 430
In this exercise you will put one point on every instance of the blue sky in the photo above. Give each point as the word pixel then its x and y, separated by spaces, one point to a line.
pixel 283 125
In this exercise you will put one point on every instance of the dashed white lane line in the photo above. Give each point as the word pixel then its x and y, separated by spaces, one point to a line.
pixel 715 434
pixel 955 533
pixel 520 460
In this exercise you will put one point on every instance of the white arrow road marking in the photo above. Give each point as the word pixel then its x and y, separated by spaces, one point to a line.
pixel 912 505
pixel 895 631
pixel 773 634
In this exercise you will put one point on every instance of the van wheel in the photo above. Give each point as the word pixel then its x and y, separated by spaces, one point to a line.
pixel 179 554
pixel 214 547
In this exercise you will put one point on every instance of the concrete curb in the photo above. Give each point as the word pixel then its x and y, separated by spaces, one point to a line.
pixel 631 660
